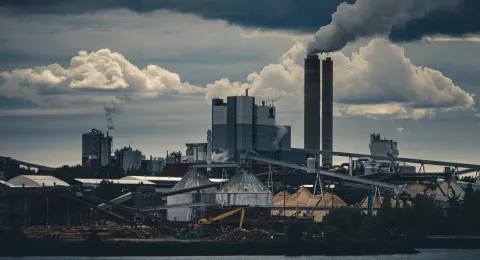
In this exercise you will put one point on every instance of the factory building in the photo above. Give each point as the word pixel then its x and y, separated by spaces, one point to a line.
pixel 96 149
pixel 192 179
pixel 383 147
pixel 196 152
pixel 239 125
pixel 244 189
pixel 129 159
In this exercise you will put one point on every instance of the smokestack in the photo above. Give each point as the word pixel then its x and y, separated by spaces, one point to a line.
pixel 311 128
pixel 327 110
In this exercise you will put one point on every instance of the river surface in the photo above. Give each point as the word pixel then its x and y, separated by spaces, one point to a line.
pixel 451 254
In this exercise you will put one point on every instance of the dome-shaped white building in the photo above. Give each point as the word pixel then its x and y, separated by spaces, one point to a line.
pixel 244 189
pixel 192 179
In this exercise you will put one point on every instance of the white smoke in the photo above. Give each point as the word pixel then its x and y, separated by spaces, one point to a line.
pixel 281 131
pixel 115 107
pixel 220 157
pixel 366 18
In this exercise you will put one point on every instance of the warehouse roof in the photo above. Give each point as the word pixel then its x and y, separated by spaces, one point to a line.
pixel 115 181
pixel 152 178
pixel 162 178
pixel 37 181
pixel 4 183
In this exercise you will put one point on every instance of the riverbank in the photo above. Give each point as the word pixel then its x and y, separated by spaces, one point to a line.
pixel 447 242
pixel 40 247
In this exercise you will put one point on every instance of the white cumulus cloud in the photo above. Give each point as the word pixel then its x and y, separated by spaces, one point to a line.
pixel 378 81
pixel 101 70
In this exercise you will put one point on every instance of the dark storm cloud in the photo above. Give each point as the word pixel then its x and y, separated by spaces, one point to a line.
pixel 298 15
pixel 457 23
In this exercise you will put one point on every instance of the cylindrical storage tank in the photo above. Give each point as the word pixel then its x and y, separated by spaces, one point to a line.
pixel 244 189
pixel 156 166
pixel 105 156
pixel 190 180
pixel 132 159
pixel 311 163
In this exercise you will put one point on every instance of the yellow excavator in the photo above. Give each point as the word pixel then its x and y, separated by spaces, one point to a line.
pixel 222 216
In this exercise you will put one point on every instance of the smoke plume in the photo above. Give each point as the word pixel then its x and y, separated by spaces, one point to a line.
pixel 367 18
pixel 281 132
pixel 115 107
pixel 220 157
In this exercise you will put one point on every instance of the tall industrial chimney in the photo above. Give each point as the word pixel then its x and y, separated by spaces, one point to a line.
pixel 311 124
pixel 327 110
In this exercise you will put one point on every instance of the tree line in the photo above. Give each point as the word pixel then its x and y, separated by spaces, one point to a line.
pixel 423 217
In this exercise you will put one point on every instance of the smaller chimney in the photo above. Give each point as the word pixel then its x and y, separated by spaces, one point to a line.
pixel 246 92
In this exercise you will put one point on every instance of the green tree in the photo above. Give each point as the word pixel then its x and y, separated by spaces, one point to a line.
pixel 385 215
pixel 108 190
pixel 425 217
pixel 346 220
pixel 331 234
pixel 370 228
pixel 454 214
pixel 470 179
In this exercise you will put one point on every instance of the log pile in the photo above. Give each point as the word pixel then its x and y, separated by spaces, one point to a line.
pixel 108 231
pixel 243 234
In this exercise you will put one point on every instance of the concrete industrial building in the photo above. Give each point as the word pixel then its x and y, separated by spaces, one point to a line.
pixel 96 149
pixel 196 152
pixel 239 125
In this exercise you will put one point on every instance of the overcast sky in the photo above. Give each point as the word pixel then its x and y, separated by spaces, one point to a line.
pixel 62 62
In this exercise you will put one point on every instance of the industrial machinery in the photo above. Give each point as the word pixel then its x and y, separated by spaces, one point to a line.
pixel 187 233
pixel 222 216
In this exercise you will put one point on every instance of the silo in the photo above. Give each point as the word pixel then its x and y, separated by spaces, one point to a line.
pixel 192 179
pixel 244 189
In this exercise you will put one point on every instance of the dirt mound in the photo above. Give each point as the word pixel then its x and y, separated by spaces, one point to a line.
pixel 301 197
pixel 281 196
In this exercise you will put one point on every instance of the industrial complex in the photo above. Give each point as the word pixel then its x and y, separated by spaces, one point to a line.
pixel 246 164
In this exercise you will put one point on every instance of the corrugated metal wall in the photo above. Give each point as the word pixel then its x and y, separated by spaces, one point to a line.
pixel 244 199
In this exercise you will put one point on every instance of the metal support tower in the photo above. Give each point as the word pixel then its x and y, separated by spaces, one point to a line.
pixel 336 175
pixel 270 178
pixel 224 177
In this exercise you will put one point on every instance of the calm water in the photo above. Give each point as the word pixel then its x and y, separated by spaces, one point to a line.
pixel 454 254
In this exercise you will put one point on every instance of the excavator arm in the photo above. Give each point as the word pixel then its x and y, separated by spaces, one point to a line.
pixel 224 215
pixel 241 218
